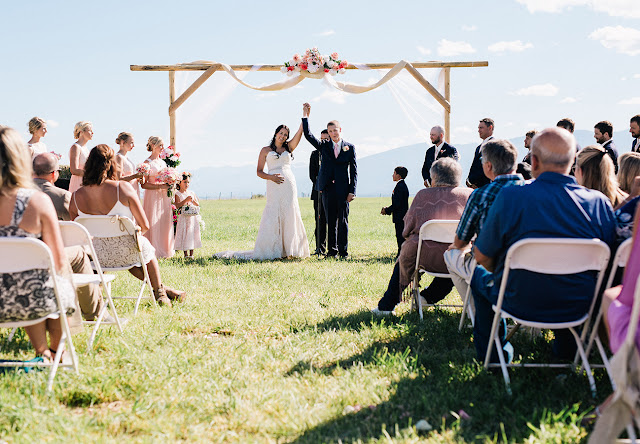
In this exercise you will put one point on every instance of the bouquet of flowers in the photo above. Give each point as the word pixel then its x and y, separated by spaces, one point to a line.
pixel 174 211
pixel 144 168
pixel 315 63
pixel 170 156
pixel 170 177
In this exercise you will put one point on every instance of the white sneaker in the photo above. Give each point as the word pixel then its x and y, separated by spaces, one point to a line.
pixel 378 312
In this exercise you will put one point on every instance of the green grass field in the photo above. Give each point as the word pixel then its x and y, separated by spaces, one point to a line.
pixel 287 351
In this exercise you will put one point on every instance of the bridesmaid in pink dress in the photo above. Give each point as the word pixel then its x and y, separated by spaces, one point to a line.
pixel 157 205
pixel 83 131
pixel 126 170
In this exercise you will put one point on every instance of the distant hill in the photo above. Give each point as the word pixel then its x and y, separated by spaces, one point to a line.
pixel 374 172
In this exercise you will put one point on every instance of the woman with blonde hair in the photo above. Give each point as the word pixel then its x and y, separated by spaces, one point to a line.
pixel 157 204
pixel 37 129
pixel 83 131
pixel 595 170
pixel 126 168
pixel 27 212
pixel 629 169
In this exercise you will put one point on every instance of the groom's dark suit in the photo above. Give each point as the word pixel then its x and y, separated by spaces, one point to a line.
pixel 336 179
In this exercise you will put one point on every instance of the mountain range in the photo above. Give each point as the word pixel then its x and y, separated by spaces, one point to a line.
pixel 374 172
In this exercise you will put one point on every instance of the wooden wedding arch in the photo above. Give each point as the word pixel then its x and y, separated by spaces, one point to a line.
pixel 211 67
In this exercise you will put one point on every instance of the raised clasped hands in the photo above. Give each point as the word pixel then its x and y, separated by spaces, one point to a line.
pixel 306 109
pixel 277 178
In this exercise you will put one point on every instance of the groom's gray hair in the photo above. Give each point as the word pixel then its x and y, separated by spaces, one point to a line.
pixel 446 172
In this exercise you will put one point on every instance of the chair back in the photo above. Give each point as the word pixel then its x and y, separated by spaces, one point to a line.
pixel 107 226
pixel 74 234
pixel 620 259
pixel 24 253
pixel 558 255
pixel 439 230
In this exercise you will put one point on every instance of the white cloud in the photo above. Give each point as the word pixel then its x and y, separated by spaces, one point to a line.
pixel 569 100
pixel 423 50
pixel 544 90
pixel 449 48
pixel 513 46
pixel 615 8
pixel 469 28
pixel 636 76
pixel 631 101
pixel 326 33
pixel 53 123
pixel 331 96
pixel 620 39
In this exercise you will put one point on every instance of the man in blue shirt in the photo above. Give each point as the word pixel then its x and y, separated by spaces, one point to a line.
pixel 554 205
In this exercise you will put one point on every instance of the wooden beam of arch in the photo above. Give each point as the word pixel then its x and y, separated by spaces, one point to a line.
pixel 205 66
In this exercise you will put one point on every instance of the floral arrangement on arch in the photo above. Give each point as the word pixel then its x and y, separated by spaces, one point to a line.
pixel 313 62
pixel 170 156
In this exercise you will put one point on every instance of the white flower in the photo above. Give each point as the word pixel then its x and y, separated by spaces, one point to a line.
pixel 331 64
pixel 313 68
pixel 342 71
pixel 333 72
pixel 325 58
pixel 284 70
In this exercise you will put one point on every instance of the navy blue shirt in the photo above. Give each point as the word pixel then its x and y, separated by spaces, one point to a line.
pixel 553 205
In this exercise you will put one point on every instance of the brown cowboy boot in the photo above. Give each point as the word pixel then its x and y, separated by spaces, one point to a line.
pixel 176 295
pixel 161 296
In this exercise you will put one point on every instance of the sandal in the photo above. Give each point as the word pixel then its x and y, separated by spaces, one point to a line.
pixel 161 296
pixel 176 295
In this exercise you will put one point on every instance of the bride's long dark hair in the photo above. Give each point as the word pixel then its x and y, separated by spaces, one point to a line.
pixel 272 145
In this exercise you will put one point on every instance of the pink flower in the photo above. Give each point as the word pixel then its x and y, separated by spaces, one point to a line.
pixel 344 63
pixel 303 66
pixel 290 68
pixel 334 56
pixel 326 70
pixel 296 57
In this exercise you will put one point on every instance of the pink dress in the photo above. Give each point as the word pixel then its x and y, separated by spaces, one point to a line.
pixel 76 181
pixel 188 227
pixel 619 313
pixel 129 169
pixel 157 207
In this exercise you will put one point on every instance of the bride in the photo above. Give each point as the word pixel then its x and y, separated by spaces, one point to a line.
pixel 281 232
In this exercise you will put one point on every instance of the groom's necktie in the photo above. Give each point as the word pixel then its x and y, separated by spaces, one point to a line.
pixel 336 149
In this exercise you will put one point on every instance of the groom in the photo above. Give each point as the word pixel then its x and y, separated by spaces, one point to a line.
pixel 336 181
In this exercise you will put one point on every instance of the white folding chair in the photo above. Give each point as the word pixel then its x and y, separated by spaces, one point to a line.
pixel 437 230
pixel 74 234
pixel 117 226
pixel 18 254
pixel 551 256
pixel 619 261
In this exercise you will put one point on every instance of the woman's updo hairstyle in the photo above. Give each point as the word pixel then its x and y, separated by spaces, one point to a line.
pixel 153 141
pixel 99 166
pixel 80 127
pixel 123 137
pixel 35 124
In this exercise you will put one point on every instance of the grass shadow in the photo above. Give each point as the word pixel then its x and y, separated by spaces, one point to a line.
pixel 439 375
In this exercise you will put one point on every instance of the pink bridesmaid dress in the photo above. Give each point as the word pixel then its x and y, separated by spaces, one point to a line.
pixel 76 181
pixel 157 207
pixel 129 169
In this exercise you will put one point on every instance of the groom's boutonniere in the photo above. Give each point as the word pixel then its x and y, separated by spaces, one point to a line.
pixel 345 148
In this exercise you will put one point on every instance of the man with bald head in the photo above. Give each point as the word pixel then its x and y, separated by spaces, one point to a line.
pixel 439 150
pixel 553 205
pixel 45 174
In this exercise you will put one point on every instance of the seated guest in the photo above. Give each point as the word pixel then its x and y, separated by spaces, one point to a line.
pixel 445 199
pixel 629 180
pixel 628 171
pixel 618 301
pixel 594 169
pixel 499 159
pixel 553 205
pixel 26 212
pixel 524 169
pixel 102 194
pixel 46 172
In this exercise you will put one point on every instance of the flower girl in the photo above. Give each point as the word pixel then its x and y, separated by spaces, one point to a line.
pixel 188 228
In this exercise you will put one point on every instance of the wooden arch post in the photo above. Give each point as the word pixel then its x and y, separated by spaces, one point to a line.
pixel 210 68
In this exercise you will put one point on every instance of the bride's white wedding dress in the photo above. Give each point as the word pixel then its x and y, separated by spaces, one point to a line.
pixel 281 232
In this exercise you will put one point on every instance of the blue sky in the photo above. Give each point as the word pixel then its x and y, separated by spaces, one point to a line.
pixel 69 61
